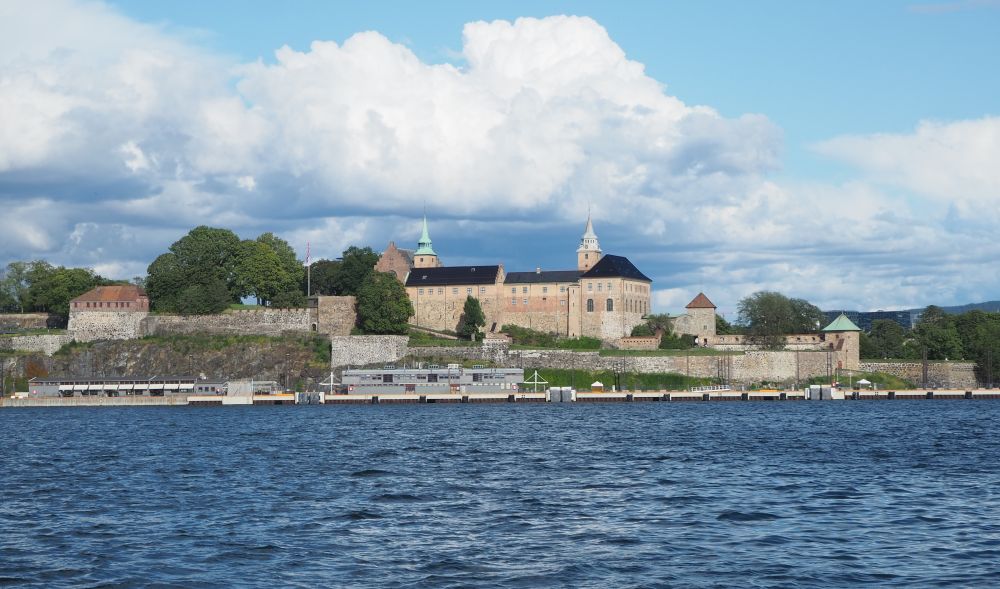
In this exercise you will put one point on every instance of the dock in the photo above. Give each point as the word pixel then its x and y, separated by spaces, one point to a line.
pixel 317 398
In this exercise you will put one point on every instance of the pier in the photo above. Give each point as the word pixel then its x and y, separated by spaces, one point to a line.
pixel 318 398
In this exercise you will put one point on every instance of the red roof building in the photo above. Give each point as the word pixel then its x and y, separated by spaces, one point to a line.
pixel 119 297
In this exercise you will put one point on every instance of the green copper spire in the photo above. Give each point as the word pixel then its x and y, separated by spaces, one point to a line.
pixel 424 245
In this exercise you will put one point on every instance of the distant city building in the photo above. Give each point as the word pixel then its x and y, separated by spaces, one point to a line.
pixel 604 297
pixel 864 319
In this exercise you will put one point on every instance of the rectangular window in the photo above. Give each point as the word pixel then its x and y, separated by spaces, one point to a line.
pixel 513 301
pixel 420 291
pixel 590 286
pixel 599 285
pixel 525 301
pixel 562 289
pixel 454 291
pixel 468 291
pixel 609 286
pixel 545 289
pixel 513 290
pixel 562 302
pixel 482 290
pixel 524 289
pixel 440 291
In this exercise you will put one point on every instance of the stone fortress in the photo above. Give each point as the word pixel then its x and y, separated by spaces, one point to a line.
pixel 604 297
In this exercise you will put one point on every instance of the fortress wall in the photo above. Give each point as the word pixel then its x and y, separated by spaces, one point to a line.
pixel 957 375
pixel 46 344
pixel 28 320
pixel 334 315
pixel 87 326
pixel 361 350
pixel 271 322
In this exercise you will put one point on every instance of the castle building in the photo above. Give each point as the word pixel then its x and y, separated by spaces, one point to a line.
pixel 604 297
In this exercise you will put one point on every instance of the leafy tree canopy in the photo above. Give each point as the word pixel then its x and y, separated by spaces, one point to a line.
pixel 472 318
pixel 383 306
pixel 356 265
pixel 324 277
pixel 769 316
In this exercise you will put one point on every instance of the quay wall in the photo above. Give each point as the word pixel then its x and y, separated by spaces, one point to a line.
pixel 960 375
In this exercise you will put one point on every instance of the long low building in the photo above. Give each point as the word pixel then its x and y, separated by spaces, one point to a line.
pixel 112 386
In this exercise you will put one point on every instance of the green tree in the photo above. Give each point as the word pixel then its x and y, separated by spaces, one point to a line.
pixel 383 306
pixel 979 333
pixel 886 340
pixel 723 327
pixel 642 330
pixel 324 277
pixel 292 266
pixel 472 319
pixel 53 290
pixel 165 282
pixel 208 252
pixel 16 282
pixel 935 332
pixel 289 299
pixel 204 299
pixel 769 316
pixel 356 265
pixel 259 272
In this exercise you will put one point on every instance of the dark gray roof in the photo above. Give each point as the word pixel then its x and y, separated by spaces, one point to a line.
pixel 615 267
pixel 547 276
pixel 449 275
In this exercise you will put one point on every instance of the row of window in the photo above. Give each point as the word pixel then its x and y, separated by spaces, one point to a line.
pixel 454 291
pixel 562 302
pixel 630 306
pixel 96 305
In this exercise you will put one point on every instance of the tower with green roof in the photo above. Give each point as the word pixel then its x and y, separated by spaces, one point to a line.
pixel 844 338
pixel 425 257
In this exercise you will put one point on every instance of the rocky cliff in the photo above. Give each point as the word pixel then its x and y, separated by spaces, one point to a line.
pixel 304 358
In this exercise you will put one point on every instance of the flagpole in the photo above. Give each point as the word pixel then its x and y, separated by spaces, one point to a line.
pixel 308 273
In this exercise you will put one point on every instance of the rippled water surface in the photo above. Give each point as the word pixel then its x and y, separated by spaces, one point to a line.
pixel 608 495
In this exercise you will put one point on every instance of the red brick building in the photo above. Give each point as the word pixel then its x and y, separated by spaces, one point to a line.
pixel 120 297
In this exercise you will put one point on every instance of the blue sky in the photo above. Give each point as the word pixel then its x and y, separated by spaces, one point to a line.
pixel 836 151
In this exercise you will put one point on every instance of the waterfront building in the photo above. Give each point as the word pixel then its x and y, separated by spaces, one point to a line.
pixel 120 297
pixel 111 386
pixel 452 378
pixel 604 297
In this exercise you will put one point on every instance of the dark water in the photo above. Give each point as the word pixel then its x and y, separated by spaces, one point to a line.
pixel 620 495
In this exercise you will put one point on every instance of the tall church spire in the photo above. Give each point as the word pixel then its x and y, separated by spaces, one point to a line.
pixel 425 257
pixel 589 251
pixel 424 246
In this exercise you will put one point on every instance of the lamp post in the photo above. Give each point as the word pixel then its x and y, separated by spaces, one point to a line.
pixel 286 371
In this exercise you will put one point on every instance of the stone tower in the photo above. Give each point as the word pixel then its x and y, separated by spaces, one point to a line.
pixel 589 252
pixel 425 257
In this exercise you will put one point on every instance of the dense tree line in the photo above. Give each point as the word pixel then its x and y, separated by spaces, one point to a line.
pixel 766 317
pixel 972 336
pixel 41 287
pixel 209 268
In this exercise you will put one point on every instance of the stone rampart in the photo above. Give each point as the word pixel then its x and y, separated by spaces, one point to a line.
pixel 361 350
pixel 16 321
pixel 46 344
pixel 87 326
pixel 333 315
pixel 957 375
pixel 271 322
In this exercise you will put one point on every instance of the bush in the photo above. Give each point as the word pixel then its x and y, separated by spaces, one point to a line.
pixel 670 341
pixel 523 336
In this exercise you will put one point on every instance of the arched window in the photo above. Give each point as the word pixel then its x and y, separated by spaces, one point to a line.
pixel 590 305
pixel 611 305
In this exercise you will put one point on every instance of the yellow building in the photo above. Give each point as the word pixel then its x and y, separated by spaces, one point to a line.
pixel 604 297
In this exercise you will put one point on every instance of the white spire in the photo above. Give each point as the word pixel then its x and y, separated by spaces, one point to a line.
pixel 588 242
